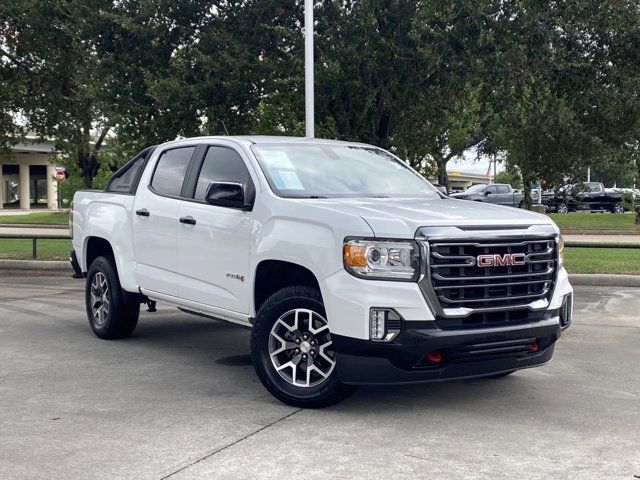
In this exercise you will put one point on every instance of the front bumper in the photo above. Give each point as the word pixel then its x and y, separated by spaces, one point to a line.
pixel 464 353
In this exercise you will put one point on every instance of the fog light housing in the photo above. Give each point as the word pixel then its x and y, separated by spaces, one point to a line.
pixel 384 324
pixel 566 310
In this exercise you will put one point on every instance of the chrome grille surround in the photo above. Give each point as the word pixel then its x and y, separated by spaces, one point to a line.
pixel 463 295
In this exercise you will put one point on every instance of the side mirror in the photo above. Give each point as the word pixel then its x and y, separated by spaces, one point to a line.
pixel 487 192
pixel 442 189
pixel 226 194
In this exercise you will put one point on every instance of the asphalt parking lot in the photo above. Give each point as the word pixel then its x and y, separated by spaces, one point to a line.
pixel 179 399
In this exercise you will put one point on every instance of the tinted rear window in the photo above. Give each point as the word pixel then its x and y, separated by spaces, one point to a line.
pixel 171 171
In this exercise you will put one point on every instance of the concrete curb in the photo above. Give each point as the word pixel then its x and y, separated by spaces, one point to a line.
pixel 35 265
pixel 567 231
pixel 34 225
pixel 601 280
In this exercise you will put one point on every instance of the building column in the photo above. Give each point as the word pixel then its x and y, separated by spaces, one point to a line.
pixel 1 188
pixel 25 201
pixel 52 188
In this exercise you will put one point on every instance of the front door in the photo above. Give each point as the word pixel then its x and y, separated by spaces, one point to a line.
pixel 155 222
pixel 214 242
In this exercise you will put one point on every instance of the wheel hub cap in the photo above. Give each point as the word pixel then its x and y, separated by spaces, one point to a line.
pixel 300 348
pixel 100 299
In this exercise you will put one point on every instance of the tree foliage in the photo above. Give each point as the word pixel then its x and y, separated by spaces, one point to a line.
pixel 553 85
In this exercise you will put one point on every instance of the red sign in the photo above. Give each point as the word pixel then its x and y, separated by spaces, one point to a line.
pixel 60 173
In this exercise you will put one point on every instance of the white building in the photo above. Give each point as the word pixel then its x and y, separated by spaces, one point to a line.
pixel 27 177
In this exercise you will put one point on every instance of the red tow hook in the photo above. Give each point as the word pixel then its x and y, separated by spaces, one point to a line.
pixel 533 347
pixel 434 357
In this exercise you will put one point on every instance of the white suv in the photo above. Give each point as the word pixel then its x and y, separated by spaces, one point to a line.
pixel 350 267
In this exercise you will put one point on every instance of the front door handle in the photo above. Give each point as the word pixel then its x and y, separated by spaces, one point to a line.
pixel 188 220
pixel 142 212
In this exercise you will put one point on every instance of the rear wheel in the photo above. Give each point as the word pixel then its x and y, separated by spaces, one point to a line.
pixel 617 208
pixel 112 312
pixel 292 350
pixel 562 208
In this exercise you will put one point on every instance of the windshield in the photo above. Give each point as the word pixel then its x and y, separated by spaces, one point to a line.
pixel 326 170
pixel 475 188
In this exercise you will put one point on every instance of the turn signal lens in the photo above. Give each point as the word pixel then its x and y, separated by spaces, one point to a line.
pixel 355 255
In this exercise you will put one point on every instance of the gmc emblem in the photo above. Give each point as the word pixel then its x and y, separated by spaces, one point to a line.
pixel 497 260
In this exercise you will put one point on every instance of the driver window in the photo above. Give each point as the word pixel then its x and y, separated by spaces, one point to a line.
pixel 490 189
pixel 222 164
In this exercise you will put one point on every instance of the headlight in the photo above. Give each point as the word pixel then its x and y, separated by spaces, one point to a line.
pixel 560 250
pixel 382 259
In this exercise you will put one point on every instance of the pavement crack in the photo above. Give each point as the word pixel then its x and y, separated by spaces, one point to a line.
pixel 235 442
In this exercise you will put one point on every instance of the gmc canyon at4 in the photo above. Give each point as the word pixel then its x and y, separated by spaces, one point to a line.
pixel 349 266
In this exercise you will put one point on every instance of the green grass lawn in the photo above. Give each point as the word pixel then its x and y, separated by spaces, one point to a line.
pixel 21 249
pixel 595 221
pixel 602 260
pixel 577 260
pixel 41 218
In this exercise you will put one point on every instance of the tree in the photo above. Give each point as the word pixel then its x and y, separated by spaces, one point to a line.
pixel 49 62
pixel 567 87
pixel 510 175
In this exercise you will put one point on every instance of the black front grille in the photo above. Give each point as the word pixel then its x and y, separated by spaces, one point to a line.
pixel 460 280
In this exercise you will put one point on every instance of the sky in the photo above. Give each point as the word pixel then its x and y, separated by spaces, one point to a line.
pixel 470 163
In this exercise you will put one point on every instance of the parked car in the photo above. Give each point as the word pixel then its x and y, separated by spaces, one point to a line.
pixel 589 196
pixel 498 193
pixel 349 266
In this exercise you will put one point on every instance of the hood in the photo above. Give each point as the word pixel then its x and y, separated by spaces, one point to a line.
pixel 401 217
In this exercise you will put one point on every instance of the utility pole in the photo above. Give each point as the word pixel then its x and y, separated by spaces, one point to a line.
pixel 308 68
pixel 588 173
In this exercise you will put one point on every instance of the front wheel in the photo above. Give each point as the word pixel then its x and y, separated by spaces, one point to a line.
pixel 292 350
pixel 112 312
pixel 562 208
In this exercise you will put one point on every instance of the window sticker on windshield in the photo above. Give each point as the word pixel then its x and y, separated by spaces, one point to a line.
pixel 276 159
pixel 286 179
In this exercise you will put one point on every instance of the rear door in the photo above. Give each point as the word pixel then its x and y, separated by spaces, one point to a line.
pixel 504 195
pixel 155 220
pixel 213 250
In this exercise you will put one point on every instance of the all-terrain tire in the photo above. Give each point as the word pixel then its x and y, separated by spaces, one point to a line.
pixel 120 310
pixel 329 391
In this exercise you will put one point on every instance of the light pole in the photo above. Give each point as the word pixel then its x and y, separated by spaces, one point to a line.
pixel 308 68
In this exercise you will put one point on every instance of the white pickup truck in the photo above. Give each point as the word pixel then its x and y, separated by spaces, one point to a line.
pixel 348 265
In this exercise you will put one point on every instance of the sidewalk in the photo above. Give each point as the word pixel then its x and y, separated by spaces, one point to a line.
pixel 602 238
pixel 43 230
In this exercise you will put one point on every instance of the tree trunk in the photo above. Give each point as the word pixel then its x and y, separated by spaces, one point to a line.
pixel 443 178
pixel 527 184
pixel 88 155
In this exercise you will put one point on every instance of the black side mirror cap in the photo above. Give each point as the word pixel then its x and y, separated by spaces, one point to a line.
pixel 227 194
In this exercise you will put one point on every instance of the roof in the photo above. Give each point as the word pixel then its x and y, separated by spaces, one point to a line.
pixel 270 139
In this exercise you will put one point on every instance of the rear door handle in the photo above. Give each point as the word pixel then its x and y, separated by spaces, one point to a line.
pixel 143 212
pixel 188 220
